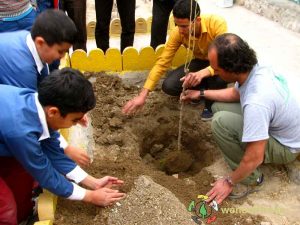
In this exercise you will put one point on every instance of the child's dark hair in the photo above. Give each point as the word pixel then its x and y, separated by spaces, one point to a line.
pixel 182 9
pixel 55 27
pixel 67 90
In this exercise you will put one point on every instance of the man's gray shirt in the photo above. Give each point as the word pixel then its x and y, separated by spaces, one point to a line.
pixel 271 107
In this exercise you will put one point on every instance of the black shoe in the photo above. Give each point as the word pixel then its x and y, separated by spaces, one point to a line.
pixel 206 115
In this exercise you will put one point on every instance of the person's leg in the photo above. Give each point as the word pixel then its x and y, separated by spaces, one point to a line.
pixel 8 208
pixel 227 129
pixel 76 10
pixel 229 107
pixel 103 14
pixel 277 153
pixel 20 183
pixel 160 17
pixel 172 84
pixel 127 16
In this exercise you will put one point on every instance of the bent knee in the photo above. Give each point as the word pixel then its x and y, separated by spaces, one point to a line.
pixel 170 89
pixel 226 121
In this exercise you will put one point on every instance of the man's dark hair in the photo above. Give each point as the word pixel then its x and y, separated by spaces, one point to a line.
pixel 234 54
pixel 55 27
pixel 182 9
pixel 67 90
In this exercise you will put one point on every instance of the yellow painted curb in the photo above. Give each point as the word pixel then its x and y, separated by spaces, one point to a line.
pixel 46 205
pixel 115 26
pixel 141 25
pixel 180 57
pixel 97 61
pixel 46 222
pixel 113 60
pixel 149 23
pixel 131 60
pixel 90 29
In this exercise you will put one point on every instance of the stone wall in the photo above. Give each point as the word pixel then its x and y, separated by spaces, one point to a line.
pixel 287 13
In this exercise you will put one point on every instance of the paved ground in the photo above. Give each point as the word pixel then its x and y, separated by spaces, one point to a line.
pixel 273 43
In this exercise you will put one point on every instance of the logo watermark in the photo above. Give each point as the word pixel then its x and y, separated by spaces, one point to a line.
pixel 207 212
pixel 251 209
pixel 202 210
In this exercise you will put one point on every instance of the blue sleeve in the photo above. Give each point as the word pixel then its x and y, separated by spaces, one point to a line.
pixel 27 150
pixel 59 160
pixel 17 65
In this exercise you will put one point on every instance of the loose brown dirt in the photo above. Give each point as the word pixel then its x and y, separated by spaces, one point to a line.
pixel 146 144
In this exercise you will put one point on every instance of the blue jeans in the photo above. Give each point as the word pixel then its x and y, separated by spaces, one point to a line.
pixel 24 23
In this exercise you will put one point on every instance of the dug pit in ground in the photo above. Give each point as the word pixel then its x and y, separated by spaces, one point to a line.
pixel 146 145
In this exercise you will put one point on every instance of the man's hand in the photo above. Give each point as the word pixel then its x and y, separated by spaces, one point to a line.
pixel 103 196
pixel 194 79
pixel 78 155
pixel 220 191
pixel 136 103
pixel 107 181
pixel 133 105
pixel 189 95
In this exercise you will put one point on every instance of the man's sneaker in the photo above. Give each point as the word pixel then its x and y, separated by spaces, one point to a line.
pixel 242 190
pixel 206 115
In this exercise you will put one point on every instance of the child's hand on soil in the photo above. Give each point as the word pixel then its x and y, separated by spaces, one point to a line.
pixel 103 196
pixel 108 182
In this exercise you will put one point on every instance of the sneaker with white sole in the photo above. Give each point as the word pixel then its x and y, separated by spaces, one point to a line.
pixel 206 115
pixel 242 190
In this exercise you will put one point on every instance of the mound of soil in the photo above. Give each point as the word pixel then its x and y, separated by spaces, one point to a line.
pixel 146 144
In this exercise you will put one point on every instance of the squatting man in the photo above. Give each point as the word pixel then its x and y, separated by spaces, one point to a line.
pixel 256 121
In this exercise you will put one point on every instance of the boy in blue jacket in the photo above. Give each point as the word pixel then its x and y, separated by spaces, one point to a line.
pixel 24 57
pixel 29 148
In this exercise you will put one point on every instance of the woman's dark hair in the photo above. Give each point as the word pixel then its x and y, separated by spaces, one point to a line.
pixel 67 90
pixel 182 9
pixel 234 54
pixel 55 27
